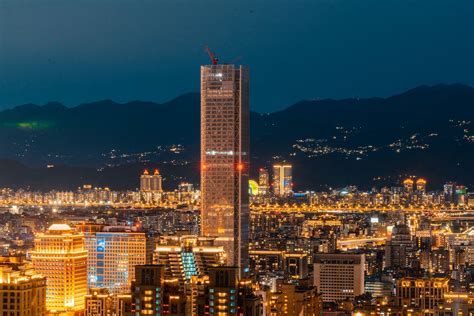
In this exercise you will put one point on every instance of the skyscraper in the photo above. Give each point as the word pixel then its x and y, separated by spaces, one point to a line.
pixel 282 179
pixel 60 255
pixel 224 159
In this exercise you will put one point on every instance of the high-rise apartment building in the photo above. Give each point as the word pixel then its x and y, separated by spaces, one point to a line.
pixel 113 254
pixel 148 289
pixel 187 256
pixel 408 185
pixel 282 179
pixel 224 159
pixel 421 185
pixel 151 183
pixel 153 294
pixel 339 276
pixel 22 290
pixel 222 294
pixel 60 255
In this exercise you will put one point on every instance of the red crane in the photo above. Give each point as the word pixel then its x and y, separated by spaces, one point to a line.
pixel 213 58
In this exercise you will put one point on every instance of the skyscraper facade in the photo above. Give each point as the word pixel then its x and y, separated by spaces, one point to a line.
pixel 224 159
pixel 113 254
pixel 282 179
pixel 60 255
pixel 339 276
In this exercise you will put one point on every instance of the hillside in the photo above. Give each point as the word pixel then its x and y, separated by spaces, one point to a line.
pixel 425 131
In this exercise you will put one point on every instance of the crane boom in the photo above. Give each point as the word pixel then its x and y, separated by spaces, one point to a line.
pixel 213 58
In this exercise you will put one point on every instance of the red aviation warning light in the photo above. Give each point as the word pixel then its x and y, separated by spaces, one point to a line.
pixel 240 166
pixel 213 57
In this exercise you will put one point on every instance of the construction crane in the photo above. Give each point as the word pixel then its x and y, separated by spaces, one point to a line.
pixel 213 58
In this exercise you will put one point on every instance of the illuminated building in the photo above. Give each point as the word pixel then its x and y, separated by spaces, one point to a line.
pixel 263 181
pixel 378 288
pixel 22 290
pixel 253 188
pixel 222 293
pixel 152 294
pixel 399 247
pixel 449 190
pixel 188 256
pixel 408 185
pixel 124 306
pixel 98 303
pixel 294 265
pixel 458 303
pixel 224 159
pixel 294 300
pixel 151 183
pixel 339 276
pixel 60 255
pixel 113 254
pixel 147 290
pixel 425 294
pixel 461 195
pixel 282 179
pixel 421 185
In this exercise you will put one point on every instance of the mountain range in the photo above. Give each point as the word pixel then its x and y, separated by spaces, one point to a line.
pixel 424 132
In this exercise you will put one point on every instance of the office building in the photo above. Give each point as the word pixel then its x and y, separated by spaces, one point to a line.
pixel 113 253
pixel 282 179
pixel 399 247
pixel 339 276
pixel 294 300
pixel 99 302
pixel 22 289
pixel 224 159
pixel 424 294
pixel 263 182
pixel 60 255
pixel 449 190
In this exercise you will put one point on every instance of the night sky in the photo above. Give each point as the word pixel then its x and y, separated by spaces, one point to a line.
pixel 80 51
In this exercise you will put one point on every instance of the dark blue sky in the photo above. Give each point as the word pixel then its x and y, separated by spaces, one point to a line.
pixel 80 51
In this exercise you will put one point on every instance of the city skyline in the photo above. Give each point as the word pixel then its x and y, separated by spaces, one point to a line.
pixel 350 207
